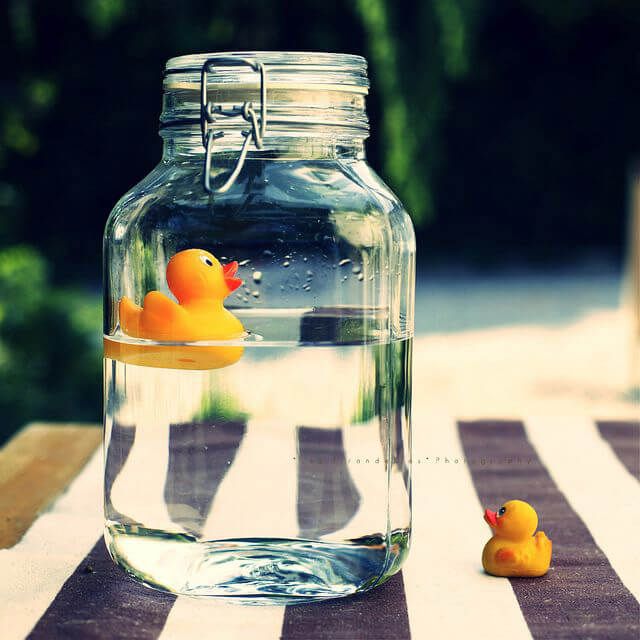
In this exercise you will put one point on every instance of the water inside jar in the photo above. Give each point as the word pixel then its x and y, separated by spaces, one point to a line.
pixel 281 478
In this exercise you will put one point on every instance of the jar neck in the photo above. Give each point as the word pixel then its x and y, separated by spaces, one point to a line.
pixel 282 104
pixel 185 142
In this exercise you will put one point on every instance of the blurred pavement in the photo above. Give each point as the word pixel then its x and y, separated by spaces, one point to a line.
pixel 525 344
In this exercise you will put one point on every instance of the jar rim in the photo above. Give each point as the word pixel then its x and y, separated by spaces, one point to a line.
pixel 291 68
pixel 323 93
pixel 306 58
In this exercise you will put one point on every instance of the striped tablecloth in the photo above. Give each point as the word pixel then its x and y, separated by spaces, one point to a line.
pixel 581 475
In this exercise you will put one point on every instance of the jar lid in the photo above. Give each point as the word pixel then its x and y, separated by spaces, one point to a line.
pixel 256 98
pixel 303 89
pixel 286 69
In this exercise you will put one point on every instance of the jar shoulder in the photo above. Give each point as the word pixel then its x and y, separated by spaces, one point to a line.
pixel 172 193
pixel 401 223
pixel 138 198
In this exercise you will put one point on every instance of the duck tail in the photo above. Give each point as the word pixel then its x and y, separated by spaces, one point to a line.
pixel 129 313
pixel 541 538
pixel 543 543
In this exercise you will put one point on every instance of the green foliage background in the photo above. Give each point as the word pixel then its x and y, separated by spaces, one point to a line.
pixel 507 128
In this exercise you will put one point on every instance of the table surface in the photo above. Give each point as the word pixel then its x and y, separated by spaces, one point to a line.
pixel 582 475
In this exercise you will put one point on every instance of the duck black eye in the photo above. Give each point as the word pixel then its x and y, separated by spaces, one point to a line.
pixel 502 511
pixel 206 261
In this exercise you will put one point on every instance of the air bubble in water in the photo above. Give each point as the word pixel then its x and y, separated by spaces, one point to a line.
pixel 343 262
pixel 255 294
pixel 286 263
pixel 257 277
pixel 356 268
pixel 244 263
pixel 361 277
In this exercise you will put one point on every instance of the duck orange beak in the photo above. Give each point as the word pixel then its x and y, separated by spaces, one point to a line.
pixel 491 518
pixel 229 271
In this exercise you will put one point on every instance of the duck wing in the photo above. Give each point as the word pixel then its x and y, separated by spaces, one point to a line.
pixel 506 555
pixel 161 316
pixel 513 556
pixel 129 314
pixel 162 307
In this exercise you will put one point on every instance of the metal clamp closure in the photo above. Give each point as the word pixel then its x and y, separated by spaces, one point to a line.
pixel 209 111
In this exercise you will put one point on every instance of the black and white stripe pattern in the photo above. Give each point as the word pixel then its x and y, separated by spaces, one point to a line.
pixel 581 596
pixel 58 582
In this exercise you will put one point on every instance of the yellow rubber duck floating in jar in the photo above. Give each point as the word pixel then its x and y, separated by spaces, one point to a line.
pixel 514 550
pixel 200 284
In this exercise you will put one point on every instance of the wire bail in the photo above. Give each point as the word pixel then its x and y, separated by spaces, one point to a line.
pixel 209 111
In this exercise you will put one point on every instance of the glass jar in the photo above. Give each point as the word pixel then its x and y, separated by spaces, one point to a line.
pixel 258 323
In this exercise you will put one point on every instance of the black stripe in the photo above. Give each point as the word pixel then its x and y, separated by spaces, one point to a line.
pixel 99 601
pixel 327 500
pixel 379 613
pixel 118 451
pixel 624 439
pixel 120 444
pixel 327 496
pixel 581 596
pixel 200 454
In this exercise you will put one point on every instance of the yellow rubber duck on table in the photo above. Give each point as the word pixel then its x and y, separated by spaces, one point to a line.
pixel 200 284
pixel 514 550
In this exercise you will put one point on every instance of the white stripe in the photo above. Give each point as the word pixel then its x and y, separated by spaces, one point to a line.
pixel 255 498
pixel 33 571
pixel 596 484
pixel 207 618
pixel 138 489
pixel 365 457
pixel 448 595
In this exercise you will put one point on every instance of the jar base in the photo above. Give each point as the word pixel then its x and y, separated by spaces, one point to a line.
pixel 252 570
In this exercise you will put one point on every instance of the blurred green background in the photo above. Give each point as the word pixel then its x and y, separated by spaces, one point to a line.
pixel 507 128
